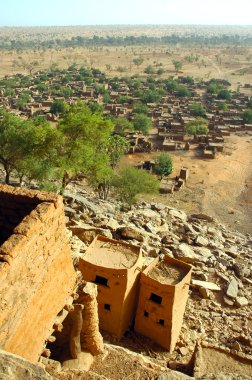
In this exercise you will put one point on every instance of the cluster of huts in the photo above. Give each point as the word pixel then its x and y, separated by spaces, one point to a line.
pixel 169 116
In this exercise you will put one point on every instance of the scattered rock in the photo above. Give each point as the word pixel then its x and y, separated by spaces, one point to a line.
pixel 202 217
pixel 201 241
pixel 133 233
pixel 204 292
pixel 206 285
pixel 232 290
pixel 241 301
pixel 228 301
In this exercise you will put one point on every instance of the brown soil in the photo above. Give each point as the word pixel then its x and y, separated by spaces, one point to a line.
pixel 220 187
pixel 110 255
pixel 167 274
pixel 214 361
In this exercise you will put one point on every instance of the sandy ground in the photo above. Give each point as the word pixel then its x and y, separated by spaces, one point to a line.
pixel 221 187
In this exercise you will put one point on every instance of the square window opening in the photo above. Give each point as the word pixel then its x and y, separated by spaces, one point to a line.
pixel 146 314
pixel 161 322
pixel 107 306
pixel 155 298
pixel 99 280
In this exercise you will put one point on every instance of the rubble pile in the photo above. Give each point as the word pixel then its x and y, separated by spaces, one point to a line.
pixel 219 308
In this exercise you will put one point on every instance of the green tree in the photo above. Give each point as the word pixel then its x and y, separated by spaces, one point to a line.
pixel 117 147
pixel 160 71
pixel 182 91
pixel 151 96
pixel 197 126
pixel 58 106
pixel 247 116
pixel 130 182
pixel 177 65
pixel 23 99
pixel 197 109
pixel 222 106
pixel 142 123
pixel 138 61
pixel 85 142
pixel 122 125
pixel 149 69
pixel 171 84
pixel 224 94
pixel 139 107
pixel 25 146
pixel 163 165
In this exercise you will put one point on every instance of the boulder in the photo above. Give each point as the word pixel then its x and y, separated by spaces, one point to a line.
pixel 181 215
pixel 232 289
pixel 201 241
pixel 87 233
pixel 131 232
pixel 206 285
pixel 205 217
pixel 185 253
pixel 14 367
pixel 232 251
pixel 241 301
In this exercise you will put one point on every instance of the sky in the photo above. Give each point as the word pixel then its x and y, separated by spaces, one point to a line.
pixel 109 12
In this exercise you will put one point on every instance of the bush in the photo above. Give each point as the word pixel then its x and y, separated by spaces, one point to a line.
pixel 131 181
pixel 247 116
pixel 142 123
pixel 197 127
pixel 163 165
pixel 197 109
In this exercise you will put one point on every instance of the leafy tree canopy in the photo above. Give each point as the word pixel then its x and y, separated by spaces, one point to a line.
pixel 197 126
pixel 131 181
pixel 142 123
pixel 197 109
pixel 247 116
pixel 163 164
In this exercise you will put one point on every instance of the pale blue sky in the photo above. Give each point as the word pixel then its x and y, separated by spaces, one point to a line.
pixel 105 12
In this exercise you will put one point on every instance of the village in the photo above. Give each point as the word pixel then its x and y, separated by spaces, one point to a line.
pixel 148 280
pixel 168 105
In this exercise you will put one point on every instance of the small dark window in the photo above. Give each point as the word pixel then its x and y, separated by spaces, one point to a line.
pixel 106 306
pixel 161 322
pixel 101 280
pixel 155 298
pixel 146 314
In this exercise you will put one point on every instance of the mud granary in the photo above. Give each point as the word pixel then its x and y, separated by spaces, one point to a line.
pixel 151 297
pixel 36 271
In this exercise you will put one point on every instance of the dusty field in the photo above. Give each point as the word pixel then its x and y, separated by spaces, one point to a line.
pixel 233 63
pixel 221 187
pixel 212 62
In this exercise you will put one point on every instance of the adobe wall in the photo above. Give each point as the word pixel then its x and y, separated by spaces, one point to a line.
pixel 170 310
pixel 179 304
pixel 36 271
pixel 120 293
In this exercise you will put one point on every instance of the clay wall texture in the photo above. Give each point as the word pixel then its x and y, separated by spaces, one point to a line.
pixel 116 300
pixel 161 319
pixel 36 271
pixel 128 293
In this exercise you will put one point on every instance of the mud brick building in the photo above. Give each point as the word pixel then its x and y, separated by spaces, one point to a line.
pixel 162 299
pixel 154 297
pixel 36 271
pixel 115 267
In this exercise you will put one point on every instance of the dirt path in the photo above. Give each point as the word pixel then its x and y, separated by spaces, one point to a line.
pixel 221 187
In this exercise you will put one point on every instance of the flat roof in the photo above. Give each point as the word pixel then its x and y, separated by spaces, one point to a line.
pixel 112 254
pixel 167 273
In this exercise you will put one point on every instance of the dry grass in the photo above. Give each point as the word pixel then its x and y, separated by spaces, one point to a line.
pixel 233 63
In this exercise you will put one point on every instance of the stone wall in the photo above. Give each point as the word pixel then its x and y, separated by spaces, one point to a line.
pixel 36 271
